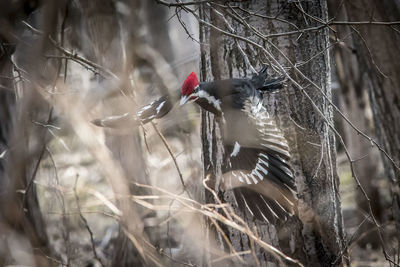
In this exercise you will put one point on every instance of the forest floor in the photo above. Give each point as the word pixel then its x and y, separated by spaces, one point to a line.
pixel 72 176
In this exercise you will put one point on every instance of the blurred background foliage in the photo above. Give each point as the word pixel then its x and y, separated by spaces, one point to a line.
pixel 73 194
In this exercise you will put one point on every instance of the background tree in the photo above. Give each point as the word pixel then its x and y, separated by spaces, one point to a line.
pixel 381 67
pixel 22 138
pixel 365 57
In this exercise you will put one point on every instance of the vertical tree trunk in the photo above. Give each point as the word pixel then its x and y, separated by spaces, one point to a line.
pixel 110 48
pixel 20 213
pixel 116 36
pixel 315 238
pixel 354 102
pixel 380 63
pixel 22 143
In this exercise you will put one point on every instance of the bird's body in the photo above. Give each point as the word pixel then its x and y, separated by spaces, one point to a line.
pixel 256 154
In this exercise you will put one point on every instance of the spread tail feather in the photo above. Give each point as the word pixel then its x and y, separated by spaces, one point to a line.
pixel 263 207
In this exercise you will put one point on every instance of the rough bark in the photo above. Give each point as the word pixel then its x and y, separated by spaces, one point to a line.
pixel 380 64
pixel 315 238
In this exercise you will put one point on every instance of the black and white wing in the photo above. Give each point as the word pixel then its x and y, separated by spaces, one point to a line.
pixel 256 168
pixel 155 110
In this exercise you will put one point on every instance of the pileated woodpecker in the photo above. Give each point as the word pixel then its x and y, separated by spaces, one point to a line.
pixel 256 153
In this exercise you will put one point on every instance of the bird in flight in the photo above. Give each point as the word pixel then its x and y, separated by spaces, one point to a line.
pixel 256 153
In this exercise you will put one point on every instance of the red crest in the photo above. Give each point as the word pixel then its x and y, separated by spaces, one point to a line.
pixel 189 84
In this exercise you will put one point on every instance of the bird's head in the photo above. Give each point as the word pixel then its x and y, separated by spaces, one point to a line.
pixel 190 89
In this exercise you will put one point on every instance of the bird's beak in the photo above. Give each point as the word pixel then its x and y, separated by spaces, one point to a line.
pixel 184 99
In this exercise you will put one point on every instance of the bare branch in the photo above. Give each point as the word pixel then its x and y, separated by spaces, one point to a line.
pixel 85 222
pixel 189 3
pixel 172 156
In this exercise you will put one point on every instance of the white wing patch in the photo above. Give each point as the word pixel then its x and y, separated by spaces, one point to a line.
pixel 143 109
pixel 154 110
pixel 253 178
pixel 211 99
pixel 245 177
pixel 160 106
pixel 257 174
pixel 270 137
pixel 235 150
pixel 271 210
pixel 247 205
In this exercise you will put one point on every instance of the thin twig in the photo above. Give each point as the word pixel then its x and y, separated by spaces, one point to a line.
pixel 369 52
pixel 212 213
pixel 72 56
pixel 85 222
pixel 252 249
pixel 227 241
pixel 190 3
pixel 172 156
pixel 80 59
pixel 60 195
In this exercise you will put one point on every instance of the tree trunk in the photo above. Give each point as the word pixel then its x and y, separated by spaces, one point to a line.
pixel 380 64
pixel 109 33
pixel 354 102
pixel 23 234
pixel 315 237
